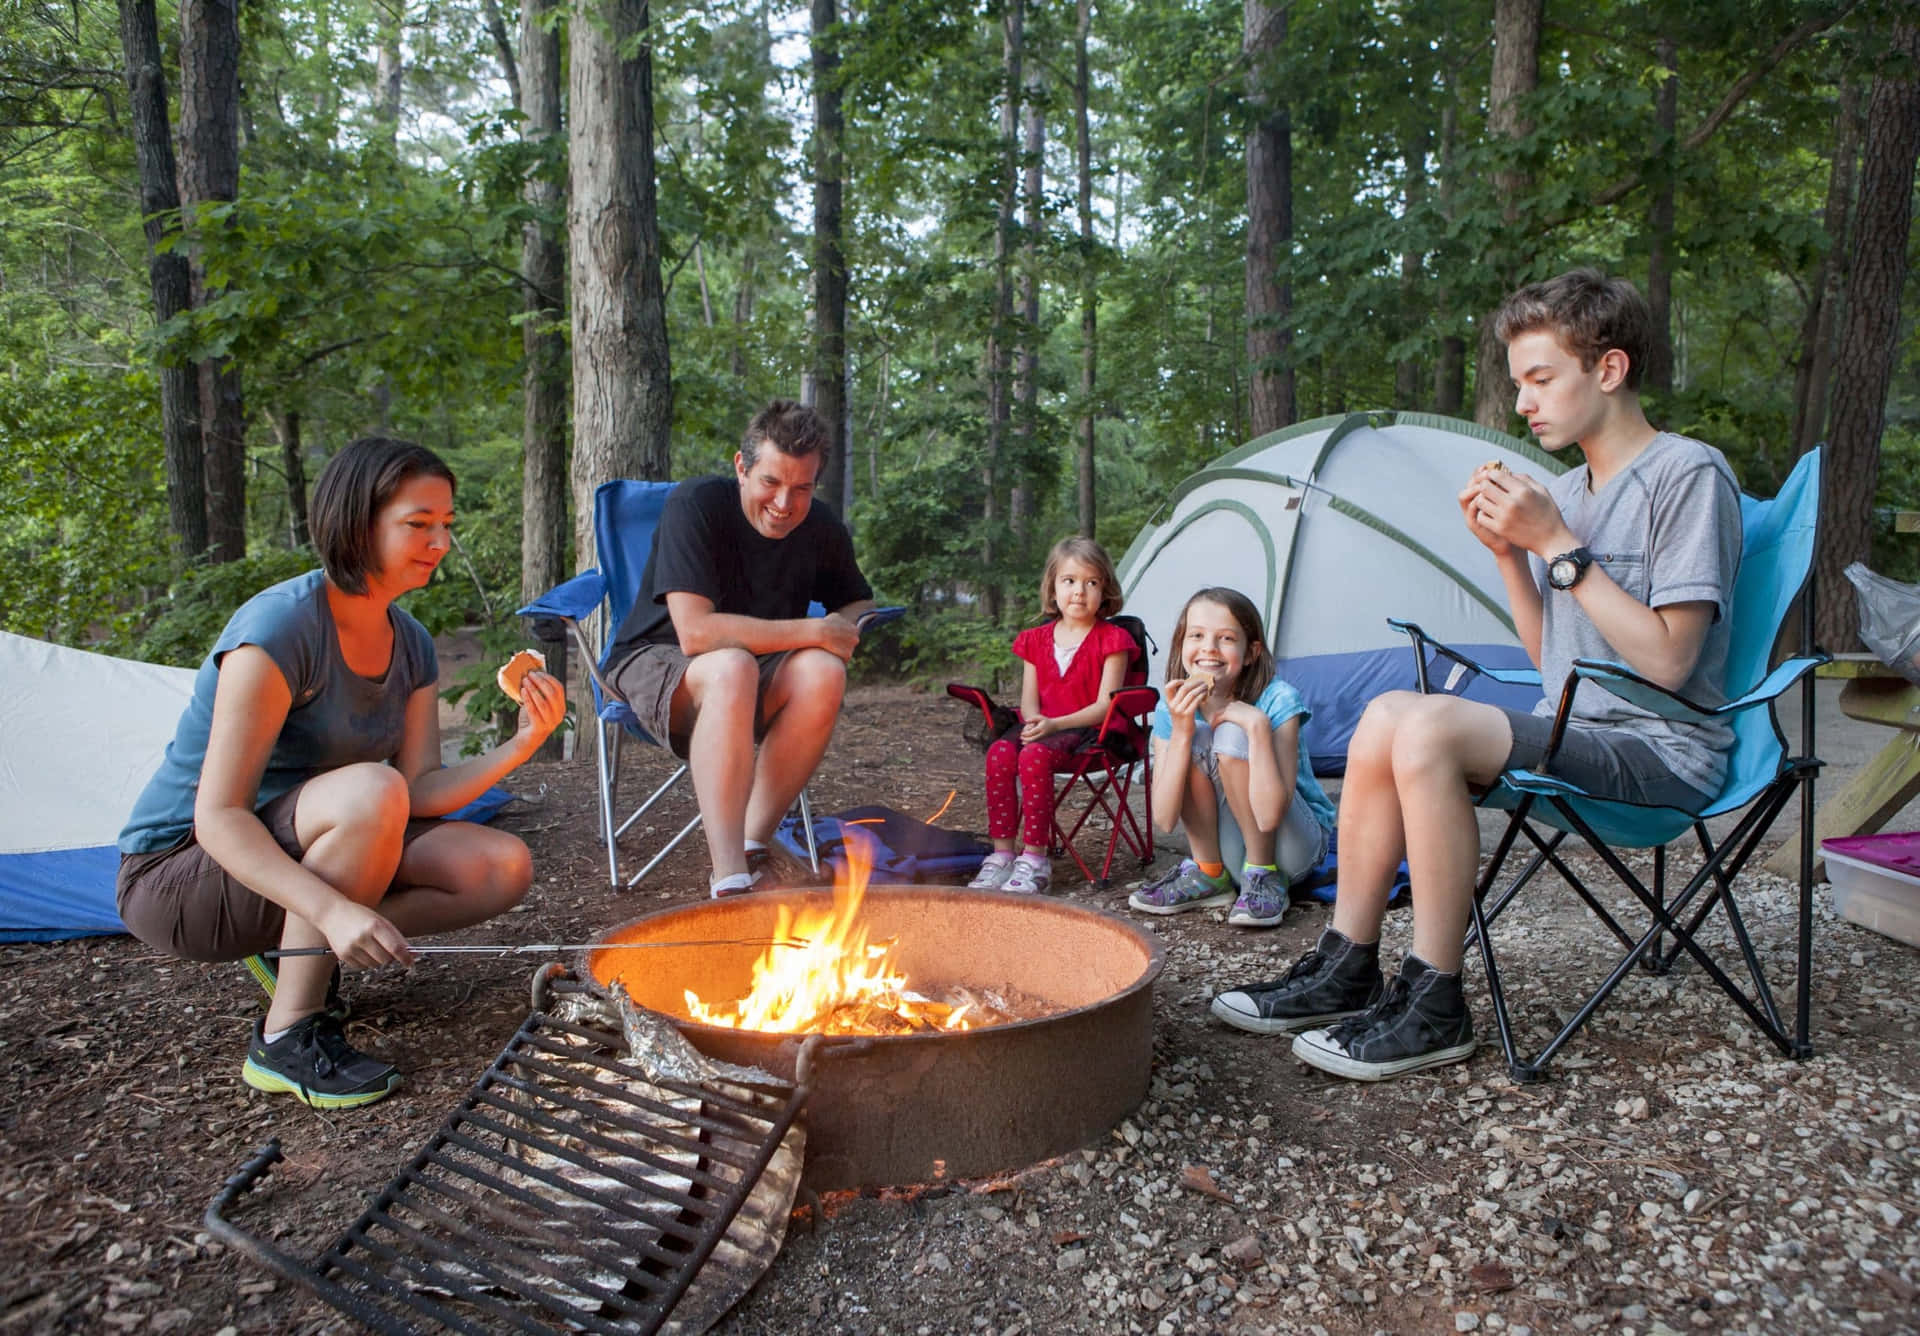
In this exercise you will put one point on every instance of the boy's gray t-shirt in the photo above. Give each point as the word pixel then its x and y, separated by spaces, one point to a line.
pixel 336 716
pixel 1667 529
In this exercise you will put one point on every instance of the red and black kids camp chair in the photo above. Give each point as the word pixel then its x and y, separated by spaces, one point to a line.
pixel 1110 765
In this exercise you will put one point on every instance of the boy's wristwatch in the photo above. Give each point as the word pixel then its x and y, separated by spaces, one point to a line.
pixel 1565 570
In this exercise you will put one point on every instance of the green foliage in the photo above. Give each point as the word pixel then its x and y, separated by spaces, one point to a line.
pixel 370 269
pixel 184 625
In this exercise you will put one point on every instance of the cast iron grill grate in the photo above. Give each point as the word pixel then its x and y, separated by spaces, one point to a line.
pixel 567 1191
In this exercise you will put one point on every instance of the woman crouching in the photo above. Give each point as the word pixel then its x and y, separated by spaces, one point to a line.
pixel 297 805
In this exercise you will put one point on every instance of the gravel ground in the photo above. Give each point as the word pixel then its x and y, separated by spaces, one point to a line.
pixel 1675 1174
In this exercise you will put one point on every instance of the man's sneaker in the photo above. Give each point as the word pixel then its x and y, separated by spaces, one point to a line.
pixel 314 1063
pixel 1421 1022
pixel 1336 979
pixel 266 973
pixel 1030 876
pixel 1186 887
pixel 1263 899
pixel 995 868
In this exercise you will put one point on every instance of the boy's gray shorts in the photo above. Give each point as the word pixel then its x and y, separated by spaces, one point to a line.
pixel 1606 762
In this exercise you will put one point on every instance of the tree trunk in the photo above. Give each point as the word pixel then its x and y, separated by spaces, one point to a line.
pixel 1026 380
pixel 167 273
pixel 543 432
pixel 1269 290
pixel 503 47
pixel 1013 23
pixel 1516 73
pixel 543 426
pixel 1658 373
pixel 389 70
pixel 1815 363
pixel 622 377
pixel 1450 363
pixel 1089 289
pixel 209 175
pixel 1406 372
pixel 829 249
pixel 293 463
pixel 1869 341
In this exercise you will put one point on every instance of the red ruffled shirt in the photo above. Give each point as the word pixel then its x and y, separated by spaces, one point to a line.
pixel 1078 687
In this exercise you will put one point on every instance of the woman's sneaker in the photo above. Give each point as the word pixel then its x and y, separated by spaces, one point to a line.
pixel 314 1063
pixel 1421 1022
pixel 1337 979
pixel 994 871
pixel 1186 887
pixel 1030 876
pixel 266 972
pixel 1263 899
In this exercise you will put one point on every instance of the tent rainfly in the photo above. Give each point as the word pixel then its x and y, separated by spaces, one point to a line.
pixel 1331 527
pixel 80 734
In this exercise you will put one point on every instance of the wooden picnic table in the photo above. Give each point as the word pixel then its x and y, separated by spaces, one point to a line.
pixel 1874 694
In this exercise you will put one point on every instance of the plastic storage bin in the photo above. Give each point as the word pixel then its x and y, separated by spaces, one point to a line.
pixel 1876 882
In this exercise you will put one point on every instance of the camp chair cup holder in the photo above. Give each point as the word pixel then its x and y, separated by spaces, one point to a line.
pixel 1764 774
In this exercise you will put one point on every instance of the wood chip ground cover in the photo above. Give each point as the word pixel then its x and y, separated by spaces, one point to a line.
pixel 1676 1175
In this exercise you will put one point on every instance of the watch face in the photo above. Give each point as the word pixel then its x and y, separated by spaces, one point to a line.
pixel 1562 573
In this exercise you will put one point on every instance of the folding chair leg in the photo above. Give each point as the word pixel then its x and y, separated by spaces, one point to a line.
pixel 1523 1072
pixel 806 824
pixel 665 849
pixel 607 771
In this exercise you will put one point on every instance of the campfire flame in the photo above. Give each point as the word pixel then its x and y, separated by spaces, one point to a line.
pixel 836 982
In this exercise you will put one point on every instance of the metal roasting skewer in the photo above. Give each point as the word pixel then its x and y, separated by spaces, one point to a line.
pixel 547 948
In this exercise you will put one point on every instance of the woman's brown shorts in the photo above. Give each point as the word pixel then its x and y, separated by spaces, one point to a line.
pixel 180 901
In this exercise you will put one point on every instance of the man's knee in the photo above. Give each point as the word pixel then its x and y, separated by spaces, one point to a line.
pixel 815 674
pixel 722 682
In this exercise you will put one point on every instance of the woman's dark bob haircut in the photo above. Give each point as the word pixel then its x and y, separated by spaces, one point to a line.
pixel 353 487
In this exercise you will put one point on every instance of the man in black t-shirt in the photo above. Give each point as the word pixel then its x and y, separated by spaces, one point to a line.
pixel 718 651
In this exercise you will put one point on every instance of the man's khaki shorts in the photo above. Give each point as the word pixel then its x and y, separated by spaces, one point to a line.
pixel 647 678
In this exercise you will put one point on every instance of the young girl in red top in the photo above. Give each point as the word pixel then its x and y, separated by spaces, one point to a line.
pixel 1074 661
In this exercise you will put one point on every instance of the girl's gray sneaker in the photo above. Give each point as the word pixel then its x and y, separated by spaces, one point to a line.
pixel 1030 876
pixel 1187 887
pixel 1263 899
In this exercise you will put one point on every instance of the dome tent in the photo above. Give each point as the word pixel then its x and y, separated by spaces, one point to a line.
pixel 1331 527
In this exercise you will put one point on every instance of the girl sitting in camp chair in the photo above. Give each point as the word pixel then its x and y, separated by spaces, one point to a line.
pixel 296 804
pixel 1230 768
pixel 1073 662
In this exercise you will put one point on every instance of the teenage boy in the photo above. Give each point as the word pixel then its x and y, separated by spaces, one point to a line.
pixel 718 652
pixel 1630 557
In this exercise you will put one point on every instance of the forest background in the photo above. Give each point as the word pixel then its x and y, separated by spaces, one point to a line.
pixel 1036 260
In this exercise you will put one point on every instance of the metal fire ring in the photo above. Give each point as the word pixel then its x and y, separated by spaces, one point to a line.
pixel 898 1109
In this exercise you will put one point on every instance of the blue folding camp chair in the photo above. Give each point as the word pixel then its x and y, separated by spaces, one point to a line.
pixel 1776 561
pixel 625 514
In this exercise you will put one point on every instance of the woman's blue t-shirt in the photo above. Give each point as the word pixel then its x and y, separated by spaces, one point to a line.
pixel 336 716
pixel 1280 702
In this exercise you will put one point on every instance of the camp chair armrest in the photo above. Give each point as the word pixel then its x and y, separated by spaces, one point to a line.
pixel 1619 680
pixel 575 599
pixel 1127 705
pixel 974 696
pixel 1422 643
pixel 873 618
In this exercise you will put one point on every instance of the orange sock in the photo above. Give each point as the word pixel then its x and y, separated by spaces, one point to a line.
pixel 1212 871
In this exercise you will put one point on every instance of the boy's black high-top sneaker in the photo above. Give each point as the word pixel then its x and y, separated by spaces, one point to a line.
pixel 1422 1021
pixel 1336 979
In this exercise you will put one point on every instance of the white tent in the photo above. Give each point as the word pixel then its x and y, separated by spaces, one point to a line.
pixel 1331 527
pixel 80 734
